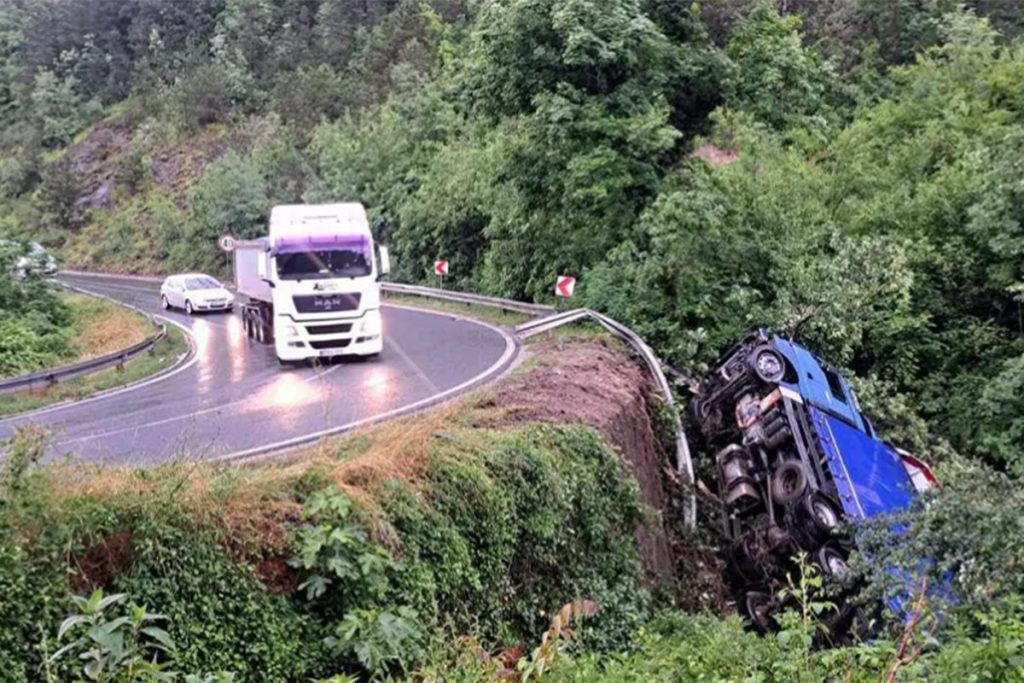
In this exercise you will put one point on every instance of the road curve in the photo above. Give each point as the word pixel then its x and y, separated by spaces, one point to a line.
pixel 233 399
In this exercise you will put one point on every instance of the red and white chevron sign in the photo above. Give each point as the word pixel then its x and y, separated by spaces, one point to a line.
pixel 565 286
pixel 441 267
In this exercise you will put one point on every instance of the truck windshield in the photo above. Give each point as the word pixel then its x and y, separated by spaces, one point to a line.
pixel 321 264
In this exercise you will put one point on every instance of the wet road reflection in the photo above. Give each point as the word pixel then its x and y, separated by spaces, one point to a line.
pixel 237 350
pixel 289 395
pixel 204 333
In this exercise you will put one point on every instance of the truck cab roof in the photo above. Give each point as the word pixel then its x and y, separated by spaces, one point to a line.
pixel 344 218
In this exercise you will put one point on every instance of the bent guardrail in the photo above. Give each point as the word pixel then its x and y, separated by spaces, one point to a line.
pixel 684 461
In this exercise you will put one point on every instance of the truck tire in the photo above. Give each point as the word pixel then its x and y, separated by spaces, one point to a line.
pixel 832 561
pixel 820 517
pixel 768 364
pixel 757 608
pixel 789 482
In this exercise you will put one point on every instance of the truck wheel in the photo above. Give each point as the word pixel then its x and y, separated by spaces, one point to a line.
pixel 188 307
pixel 768 364
pixel 832 561
pixel 820 515
pixel 757 607
pixel 789 481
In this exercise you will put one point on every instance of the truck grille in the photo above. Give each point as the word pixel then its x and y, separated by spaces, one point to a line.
pixel 329 329
pixel 330 344
pixel 326 303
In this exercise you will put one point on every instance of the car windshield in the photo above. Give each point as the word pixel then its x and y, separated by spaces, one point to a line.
pixel 344 262
pixel 202 282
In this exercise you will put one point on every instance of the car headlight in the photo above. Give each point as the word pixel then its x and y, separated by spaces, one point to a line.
pixel 372 324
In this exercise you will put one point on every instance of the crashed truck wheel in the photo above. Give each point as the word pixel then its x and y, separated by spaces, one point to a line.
pixel 789 482
pixel 820 515
pixel 757 608
pixel 768 364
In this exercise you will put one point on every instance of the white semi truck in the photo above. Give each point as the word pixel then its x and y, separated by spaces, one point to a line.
pixel 311 287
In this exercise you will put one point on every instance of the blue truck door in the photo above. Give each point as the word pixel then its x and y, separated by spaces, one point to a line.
pixel 818 386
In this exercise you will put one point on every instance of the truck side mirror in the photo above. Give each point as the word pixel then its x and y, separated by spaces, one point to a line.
pixel 262 267
pixel 385 260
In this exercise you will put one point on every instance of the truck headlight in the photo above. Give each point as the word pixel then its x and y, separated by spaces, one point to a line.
pixel 290 330
pixel 372 324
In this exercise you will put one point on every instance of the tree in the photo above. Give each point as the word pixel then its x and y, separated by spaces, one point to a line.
pixel 230 198
pixel 58 107
pixel 776 79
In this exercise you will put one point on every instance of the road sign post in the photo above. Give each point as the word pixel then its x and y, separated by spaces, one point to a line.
pixel 565 285
pixel 441 269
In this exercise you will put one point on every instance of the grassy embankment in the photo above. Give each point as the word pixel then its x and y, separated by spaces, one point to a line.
pixel 368 554
pixel 100 327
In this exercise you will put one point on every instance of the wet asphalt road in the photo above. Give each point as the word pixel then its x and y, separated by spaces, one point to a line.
pixel 233 398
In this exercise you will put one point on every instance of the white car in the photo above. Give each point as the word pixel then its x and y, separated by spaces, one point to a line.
pixel 195 292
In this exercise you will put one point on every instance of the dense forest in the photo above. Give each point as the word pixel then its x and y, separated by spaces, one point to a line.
pixel 851 171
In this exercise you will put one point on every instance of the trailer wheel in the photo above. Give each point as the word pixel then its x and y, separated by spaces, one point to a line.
pixel 768 364
pixel 789 481
pixel 832 561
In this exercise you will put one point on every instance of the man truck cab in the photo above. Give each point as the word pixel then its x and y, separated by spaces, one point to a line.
pixel 311 286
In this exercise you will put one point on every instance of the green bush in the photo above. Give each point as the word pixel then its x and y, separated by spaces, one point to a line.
pixel 502 539
pixel 219 614
pixel 35 324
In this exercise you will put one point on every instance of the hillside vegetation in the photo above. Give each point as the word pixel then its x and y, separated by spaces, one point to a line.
pixel 703 168
pixel 846 170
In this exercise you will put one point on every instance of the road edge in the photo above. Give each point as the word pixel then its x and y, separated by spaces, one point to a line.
pixel 495 372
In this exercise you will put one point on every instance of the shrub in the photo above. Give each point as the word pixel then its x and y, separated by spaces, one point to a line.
pixel 503 537
pixel 220 616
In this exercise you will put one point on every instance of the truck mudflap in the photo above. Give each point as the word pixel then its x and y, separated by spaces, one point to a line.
pixel 870 477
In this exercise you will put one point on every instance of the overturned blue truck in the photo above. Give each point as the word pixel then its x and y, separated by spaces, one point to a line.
pixel 794 459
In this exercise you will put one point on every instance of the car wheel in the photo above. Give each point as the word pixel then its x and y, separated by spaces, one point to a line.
pixel 768 364
pixel 164 303
pixel 789 481
pixel 188 307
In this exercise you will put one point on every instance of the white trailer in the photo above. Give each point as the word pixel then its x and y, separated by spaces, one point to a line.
pixel 311 286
